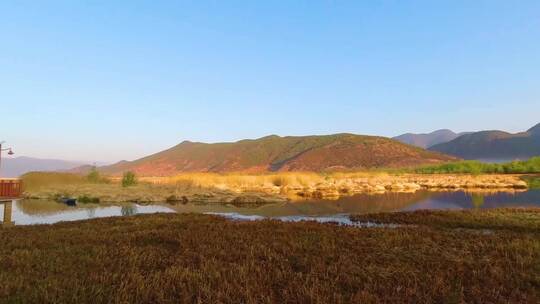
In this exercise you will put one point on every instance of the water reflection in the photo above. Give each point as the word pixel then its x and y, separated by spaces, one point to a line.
pixel 363 203
pixel 91 212
pixel 338 211
pixel 339 219
pixel 477 200
pixel 373 203
pixel 463 200
pixel 28 212
pixel 128 210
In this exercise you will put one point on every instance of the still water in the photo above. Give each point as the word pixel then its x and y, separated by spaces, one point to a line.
pixel 28 212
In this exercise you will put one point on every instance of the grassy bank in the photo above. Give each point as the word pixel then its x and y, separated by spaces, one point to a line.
pixel 475 167
pixel 204 259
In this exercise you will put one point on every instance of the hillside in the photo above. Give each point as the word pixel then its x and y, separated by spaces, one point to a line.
pixel 14 167
pixel 274 153
pixel 426 140
pixel 494 145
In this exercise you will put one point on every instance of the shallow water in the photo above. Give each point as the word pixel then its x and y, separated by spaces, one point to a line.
pixel 339 219
pixel 28 212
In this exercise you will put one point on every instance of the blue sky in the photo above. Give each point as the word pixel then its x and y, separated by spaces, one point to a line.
pixel 111 80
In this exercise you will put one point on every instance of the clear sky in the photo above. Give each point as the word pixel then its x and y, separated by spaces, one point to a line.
pixel 110 80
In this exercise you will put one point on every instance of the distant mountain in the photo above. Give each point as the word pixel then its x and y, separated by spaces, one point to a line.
pixel 494 145
pixel 14 167
pixel 534 131
pixel 430 139
pixel 274 153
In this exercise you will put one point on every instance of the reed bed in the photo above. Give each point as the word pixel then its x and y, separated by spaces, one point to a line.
pixel 275 186
pixel 242 180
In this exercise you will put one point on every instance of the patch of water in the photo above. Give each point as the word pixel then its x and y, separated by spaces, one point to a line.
pixel 49 212
pixel 28 212
pixel 338 219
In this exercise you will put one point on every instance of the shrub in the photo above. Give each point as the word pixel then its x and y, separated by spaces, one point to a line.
pixel 93 176
pixel 532 181
pixel 129 179
pixel 85 199
pixel 173 199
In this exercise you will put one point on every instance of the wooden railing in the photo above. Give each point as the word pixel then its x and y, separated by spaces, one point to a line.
pixel 10 188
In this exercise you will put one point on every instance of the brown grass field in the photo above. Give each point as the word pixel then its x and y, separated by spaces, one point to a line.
pixel 439 257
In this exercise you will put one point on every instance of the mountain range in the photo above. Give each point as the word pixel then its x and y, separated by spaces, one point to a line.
pixel 309 153
pixel 427 140
pixel 17 166
pixel 493 145
pixel 275 153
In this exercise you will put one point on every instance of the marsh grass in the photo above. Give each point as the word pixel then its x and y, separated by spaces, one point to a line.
pixel 53 186
pixel 203 259
pixel 36 180
pixel 232 181
pixel 205 180
pixel 259 188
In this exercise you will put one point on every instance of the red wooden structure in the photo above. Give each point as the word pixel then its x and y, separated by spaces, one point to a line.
pixel 10 189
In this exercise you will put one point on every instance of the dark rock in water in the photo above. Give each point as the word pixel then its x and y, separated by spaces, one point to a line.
pixel 173 199
pixel 68 201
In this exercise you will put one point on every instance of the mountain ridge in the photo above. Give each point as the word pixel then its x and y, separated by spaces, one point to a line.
pixel 343 151
pixel 17 166
pixel 426 140
pixel 494 145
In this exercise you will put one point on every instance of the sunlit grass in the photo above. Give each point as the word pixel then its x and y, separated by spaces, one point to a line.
pixel 246 180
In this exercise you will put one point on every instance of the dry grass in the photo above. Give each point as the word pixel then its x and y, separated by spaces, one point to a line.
pixel 37 180
pixel 309 179
pixel 203 259
pixel 300 179
pixel 149 193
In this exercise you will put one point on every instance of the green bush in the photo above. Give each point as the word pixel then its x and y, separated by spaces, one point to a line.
pixel 129 179
pixel 532 181
pixel 95 177
pixel 85 199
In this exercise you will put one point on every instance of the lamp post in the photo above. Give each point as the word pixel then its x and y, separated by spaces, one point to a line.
pixel 7 205
pixel 10 152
